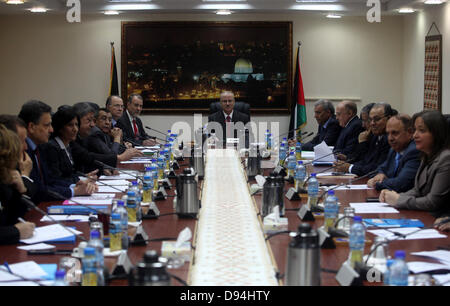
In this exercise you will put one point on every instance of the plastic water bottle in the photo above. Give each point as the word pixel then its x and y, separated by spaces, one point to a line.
pixel 121 210
pixel 167 154
pixel 115 233
pixel 298 150
pixel 356 241
pixel 267 138
pixel 399 270
pixel 387 273
pixel 60 278
pixel 131 206
pixel 89 268
pixel 291 164
pixel 96 243
pixel 212 141
pixel 148 189
pixel 285 142
pixel 300 175
pixel 282 154
pixel 161 166
pixel 138 198
pixel 331 210
pixel 154 174
pixel 313 191
pixel 168 135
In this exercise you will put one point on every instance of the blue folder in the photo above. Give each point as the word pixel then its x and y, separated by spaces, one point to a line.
pixel 393 223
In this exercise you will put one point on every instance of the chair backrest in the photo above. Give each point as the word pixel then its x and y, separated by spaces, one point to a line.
pixel 239 106
pixel 447 117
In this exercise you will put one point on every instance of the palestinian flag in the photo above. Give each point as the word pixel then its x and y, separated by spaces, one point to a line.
pixel 114 82
pixel 298 110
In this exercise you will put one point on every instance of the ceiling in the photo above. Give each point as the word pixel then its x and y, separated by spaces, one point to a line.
pixel 343 7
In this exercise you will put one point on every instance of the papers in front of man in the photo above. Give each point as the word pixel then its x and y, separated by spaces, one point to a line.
pixel 408 233
pixel 323 154
pixel 50 232
pixel 29 270
pixel 373 208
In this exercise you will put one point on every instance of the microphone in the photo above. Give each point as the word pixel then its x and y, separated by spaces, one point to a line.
pixel 30 204
pixel 147 127
pixel 101 164
pixel 98 182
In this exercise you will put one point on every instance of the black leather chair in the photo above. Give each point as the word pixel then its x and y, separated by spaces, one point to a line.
pixel 239 106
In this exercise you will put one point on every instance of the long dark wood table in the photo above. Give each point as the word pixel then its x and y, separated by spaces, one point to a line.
pixel 169 226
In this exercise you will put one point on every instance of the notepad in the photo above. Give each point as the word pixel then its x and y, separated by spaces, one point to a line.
pixel 393 223
pixel 50 233
pixel 373 208
pixel 423 234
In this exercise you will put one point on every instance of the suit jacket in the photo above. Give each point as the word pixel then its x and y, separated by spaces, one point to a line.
pixel 402 179
pixel 46 183
pixel 85 159
pixel 220 118
pixel 11 208
pixel 102 143
pixel 348 138
pixel 376 155
pixel 60 166
pixel 431 191
pixel 329 134
pixel 128 131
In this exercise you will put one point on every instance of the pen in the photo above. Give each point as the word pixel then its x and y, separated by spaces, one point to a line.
pixel 21 220
pixel 7 267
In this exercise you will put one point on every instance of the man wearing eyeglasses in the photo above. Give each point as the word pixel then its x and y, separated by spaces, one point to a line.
pixel 378 146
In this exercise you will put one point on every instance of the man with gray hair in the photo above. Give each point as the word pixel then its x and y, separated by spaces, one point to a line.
pixel 329 128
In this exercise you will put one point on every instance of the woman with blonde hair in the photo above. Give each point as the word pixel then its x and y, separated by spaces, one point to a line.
pixel 11 189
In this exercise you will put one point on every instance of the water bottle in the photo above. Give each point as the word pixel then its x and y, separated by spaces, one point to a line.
pixel 89 269
pixel 168 135
pixel 266 137
pixel 387 273
pixel 298 150
pixel 138 198
pixel 291 164
pixel 356 241
pixel 331 210
pixel 115 233
pixel 282 154
pixel 269 142
pixel 212 141
pixel 300 176
pixel 121 210
pixel 161 166
pixel 131 206
pixel 60 278
pixel 399 270
pixel 96 243
pixel 313 191
pixel 285 142
pixel 167 154
pixel 154 174
pixel 148 189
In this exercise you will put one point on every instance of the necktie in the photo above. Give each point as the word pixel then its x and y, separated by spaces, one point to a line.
pixel 228 119
pixel 397 160
pixel 38 158
pixel 136 131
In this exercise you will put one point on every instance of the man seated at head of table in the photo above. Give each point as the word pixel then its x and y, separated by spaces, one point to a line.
pixel 11 190
pixel 378 146
pixel 329 128
pixel 431 191
pixel 104 139
pixel 398 171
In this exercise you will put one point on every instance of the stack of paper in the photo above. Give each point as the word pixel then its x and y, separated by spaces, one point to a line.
pixel 323 154
pixel 50 232
pixel 373 208
pixel 409 232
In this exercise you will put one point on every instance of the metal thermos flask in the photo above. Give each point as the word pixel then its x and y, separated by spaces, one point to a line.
pixel 188 204
pixel 303 259
pixel 254 161
pixel 198 162
pixel 269 193
pixel 279 193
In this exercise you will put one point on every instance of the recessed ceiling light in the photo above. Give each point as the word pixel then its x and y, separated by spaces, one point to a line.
pixel 334 16
pixel 406 11
pixel 14 2
pixel 223 12
pixel 38 10
pixel 109 13
pixel 433 1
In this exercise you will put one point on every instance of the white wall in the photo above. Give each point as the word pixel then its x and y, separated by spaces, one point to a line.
pixel 46 58
pixel 416 28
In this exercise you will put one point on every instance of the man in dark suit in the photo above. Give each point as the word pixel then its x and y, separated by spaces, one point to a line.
pixel 378 146
pixel 131 124
pixel 115 105
pixel 104 139
pixel 329 128
pixel 230 120
pixel 351 127
pixel 399 170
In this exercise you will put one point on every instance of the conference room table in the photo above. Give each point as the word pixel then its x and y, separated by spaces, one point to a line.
pixel 169 225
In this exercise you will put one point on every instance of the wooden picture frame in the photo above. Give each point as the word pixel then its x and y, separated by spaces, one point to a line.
pixel 433 73
pixel 181 67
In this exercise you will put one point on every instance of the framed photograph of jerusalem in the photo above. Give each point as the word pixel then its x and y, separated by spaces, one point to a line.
pixel 184 66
